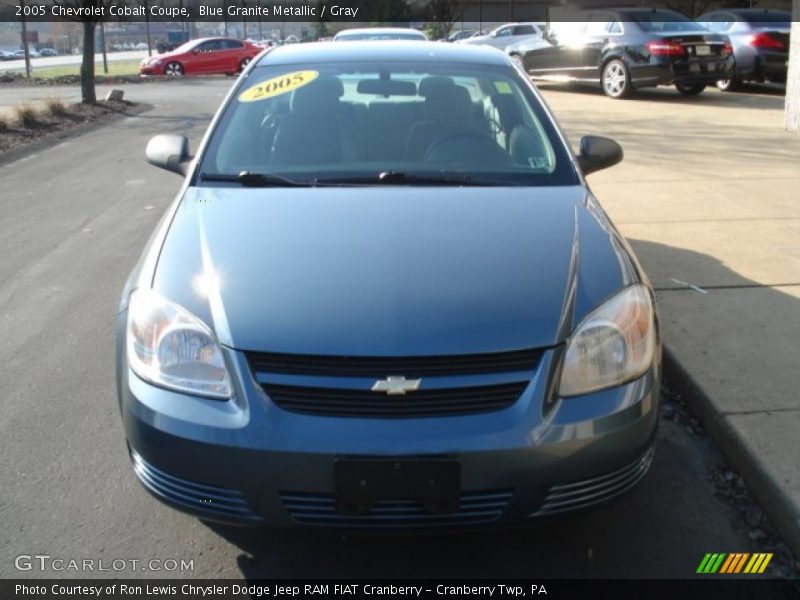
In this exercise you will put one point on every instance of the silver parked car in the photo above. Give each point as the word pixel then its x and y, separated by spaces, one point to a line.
pixel 374 34
pixel 506 35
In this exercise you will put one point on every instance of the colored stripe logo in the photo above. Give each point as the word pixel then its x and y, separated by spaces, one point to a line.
pixel 734 563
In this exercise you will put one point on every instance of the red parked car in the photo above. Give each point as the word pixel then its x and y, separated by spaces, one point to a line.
pixel 204 56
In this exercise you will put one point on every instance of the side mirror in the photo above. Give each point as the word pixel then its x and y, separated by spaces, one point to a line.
pixel 598 153
pixel 170 152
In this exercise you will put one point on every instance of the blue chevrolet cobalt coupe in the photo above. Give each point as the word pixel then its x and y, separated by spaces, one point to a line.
pixel 385 298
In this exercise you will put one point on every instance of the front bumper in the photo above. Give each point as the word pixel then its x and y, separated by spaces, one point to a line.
pixel 248 461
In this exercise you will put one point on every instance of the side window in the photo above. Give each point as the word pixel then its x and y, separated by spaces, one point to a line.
pixel 597 28
pixel 524 30
pixel 615 27
pixel 232 45
pixel 504 32
pixel 210 46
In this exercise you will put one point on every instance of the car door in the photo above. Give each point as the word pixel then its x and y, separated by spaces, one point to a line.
pixel 600 32
pixel 232 54
pixel 559 51
pixel 205 58
pixel 521 32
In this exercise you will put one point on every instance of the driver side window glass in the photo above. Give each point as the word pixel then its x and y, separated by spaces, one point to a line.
pixel 209 46
pixel 506 31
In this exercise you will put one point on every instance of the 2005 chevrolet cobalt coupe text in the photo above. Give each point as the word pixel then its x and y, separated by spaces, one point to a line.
pixel 386 298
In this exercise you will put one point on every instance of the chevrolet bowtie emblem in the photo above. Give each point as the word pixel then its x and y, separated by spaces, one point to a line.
pixel 396 386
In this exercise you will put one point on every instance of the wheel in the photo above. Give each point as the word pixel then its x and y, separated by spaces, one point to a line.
pixel 173 69
pixel 729 85
pixel 616 80
pixel 690 89
pixel 243 64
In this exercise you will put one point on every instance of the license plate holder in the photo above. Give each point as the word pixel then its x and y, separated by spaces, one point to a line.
pixel 359 483
pixel 702 50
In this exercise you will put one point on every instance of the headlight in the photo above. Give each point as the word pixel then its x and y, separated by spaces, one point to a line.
pixel 169 346
pixel 614 344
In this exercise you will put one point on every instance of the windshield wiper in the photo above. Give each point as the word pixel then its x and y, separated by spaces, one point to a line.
pixel 253 179
pixel 405 178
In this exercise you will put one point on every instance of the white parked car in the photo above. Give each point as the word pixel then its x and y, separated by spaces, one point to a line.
pixel 141 46
pixel 380 34
pixel 507 34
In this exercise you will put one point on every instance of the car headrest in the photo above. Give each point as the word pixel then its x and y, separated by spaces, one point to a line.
pixel 320 97
pixel 434 81
pixel 448 103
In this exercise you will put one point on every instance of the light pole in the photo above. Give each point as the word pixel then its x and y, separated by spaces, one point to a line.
pixel 260 34
pixel 24 35
pixel 103 46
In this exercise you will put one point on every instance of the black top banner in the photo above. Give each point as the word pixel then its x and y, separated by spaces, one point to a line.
pixel 352 11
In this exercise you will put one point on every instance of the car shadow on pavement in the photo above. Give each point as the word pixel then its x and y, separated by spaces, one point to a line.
pixel 760 96
pixel 661 529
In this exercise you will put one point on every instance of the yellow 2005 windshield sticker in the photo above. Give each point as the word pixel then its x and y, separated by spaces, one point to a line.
pixel 276 86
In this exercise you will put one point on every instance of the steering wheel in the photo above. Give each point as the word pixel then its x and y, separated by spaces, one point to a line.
pixel 473 149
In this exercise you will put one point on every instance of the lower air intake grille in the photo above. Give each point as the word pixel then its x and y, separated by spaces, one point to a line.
pixel 477 508
pixel 337 402
pixel 223 502
pixel 597 490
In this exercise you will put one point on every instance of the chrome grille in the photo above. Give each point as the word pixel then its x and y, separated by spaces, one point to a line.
pixel 597 490
pixel 476 508
pixel 210 499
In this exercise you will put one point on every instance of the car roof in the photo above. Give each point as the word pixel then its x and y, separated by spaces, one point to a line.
pixel 386 51
pixel 379 30
pixel 752 12
pixel 634 10
pixel 214 37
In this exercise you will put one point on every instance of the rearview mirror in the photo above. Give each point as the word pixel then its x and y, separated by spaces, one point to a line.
pixel 598 153
pixel 386 87
pixel 170 152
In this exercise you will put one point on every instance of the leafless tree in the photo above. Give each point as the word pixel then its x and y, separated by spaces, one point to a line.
pixel 87 15
pixel 690 8
pixel 443 14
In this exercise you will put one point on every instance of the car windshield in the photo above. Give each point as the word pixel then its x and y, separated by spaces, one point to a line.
pixel 657 21
pixel 187 46
pixel 365 123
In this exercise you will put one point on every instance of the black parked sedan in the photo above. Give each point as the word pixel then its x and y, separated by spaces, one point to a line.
pixel 760 40
pixel 626 49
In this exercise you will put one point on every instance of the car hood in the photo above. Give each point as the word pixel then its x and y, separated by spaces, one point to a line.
pixel 390 270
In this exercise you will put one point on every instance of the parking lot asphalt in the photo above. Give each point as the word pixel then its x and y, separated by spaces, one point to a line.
pixel 75 217
pixel 708 198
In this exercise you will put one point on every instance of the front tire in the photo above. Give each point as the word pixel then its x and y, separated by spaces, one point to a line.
pixel 690 89
pixel 173 69
pixel 616 80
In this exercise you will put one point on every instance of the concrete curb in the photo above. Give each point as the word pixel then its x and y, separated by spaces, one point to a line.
pixel 778 505
pixel 53 139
